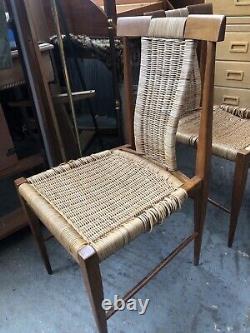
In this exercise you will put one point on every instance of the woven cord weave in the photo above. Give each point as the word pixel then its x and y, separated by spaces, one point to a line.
pixel 169 86
pixel 230 132
pixel 111 197
pixel 243 113
pixel 167 28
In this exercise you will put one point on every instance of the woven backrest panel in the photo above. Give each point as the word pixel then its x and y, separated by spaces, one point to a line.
pixel 169 86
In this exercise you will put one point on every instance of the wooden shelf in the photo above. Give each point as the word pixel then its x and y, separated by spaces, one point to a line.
pixel 12 222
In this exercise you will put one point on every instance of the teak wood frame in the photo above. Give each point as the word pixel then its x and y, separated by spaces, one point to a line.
pixel 211 30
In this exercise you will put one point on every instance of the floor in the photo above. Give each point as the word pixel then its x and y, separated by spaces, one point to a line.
pixel 213 297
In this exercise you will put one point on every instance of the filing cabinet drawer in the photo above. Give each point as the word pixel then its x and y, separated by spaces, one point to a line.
pixel 231 7
pixel 235 47
pixel 232 74
pixel 238 28
pixel 238 20
pixel 232 96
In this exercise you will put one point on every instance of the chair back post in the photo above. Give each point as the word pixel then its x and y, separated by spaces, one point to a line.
pixel 128 94
pixel 202 55
pixel 204 150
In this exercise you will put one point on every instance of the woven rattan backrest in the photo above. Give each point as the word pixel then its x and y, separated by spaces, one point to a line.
pixel 209 29
pixel 169 85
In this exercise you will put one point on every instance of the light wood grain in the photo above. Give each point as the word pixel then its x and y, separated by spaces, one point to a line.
pixel 231 7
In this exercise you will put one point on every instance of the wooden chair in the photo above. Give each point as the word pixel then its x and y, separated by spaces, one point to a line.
pixel 231 139
pixel 98 204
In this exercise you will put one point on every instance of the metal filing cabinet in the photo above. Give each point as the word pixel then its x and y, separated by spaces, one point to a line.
pixel 232 71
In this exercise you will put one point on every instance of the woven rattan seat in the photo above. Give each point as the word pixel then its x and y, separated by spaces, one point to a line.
pixel 230 132
pixel 107 198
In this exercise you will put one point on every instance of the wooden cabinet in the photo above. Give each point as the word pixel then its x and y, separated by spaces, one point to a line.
pixel 231 7
pixel 232 74
pixel 231 96
pixel 232 71
pixel 235 47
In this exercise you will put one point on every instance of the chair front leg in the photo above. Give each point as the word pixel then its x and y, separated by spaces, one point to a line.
pixel 239 183
pixel 89 264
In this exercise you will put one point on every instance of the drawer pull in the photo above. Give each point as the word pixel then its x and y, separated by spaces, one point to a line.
pixel 235 75
pixel 231 100
pixel 239 47
pixel 242 2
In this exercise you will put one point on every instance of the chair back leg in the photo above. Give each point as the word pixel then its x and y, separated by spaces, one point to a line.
pixel 35 227
pixel 200 207
pixel 239 184
pixel 204 149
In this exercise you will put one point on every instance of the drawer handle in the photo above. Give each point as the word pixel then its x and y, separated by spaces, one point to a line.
pixel 231 100
pixel 242 2
pixel 235 75
pixel 239 47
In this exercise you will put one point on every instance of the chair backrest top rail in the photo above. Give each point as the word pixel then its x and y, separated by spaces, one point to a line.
pixel 198 27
